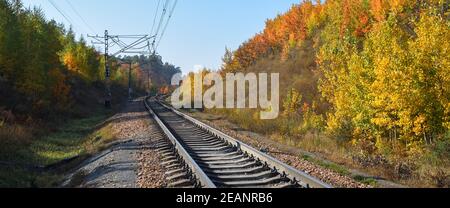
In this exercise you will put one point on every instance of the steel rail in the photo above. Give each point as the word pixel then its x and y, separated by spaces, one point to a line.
pixel 290 172
pixel 195 168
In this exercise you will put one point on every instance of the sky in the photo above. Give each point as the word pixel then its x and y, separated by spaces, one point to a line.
pixel 198 31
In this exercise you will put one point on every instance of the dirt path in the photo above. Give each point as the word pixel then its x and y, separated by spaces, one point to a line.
pixel 122 164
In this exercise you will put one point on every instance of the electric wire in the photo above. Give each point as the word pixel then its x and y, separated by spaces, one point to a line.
pixel 167 23
pixel 161 20
pixel 156 16
pixel 61 12
pixel 81 17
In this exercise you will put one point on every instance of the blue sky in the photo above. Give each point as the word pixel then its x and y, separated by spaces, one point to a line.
pixel 197 33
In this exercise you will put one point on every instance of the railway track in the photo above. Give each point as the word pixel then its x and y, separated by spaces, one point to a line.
pixel 197 155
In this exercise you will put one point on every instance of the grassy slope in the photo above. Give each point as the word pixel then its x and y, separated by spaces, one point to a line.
pixel 25 145
pixel 75 138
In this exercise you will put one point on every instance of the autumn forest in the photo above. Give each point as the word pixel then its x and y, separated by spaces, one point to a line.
pixel 365 84
pixel 48 76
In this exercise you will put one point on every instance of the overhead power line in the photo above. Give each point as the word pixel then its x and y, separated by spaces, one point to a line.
pixel 163 14
pixel 61 12
pixel 167 23
pixel 81 17
pixel 156 16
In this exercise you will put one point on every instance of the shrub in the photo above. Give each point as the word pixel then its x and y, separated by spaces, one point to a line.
pixel 14 135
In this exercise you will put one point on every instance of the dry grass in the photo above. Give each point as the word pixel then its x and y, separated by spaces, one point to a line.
pixel 99 140
pixel 8 132
pixel 425 170
pixel 20 146
pixel 15 134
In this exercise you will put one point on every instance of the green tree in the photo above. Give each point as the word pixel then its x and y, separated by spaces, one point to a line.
pixel 11 47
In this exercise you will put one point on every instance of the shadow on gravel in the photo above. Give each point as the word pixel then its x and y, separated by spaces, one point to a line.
pixel 112 167
pixel 116 166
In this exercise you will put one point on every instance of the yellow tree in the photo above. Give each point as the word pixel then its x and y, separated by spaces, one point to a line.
pixel 411 88
pixel 431 66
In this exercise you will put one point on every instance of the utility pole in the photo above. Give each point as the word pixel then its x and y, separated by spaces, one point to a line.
pixel 108 96
pixel 129 83
pixel 152 58
pixel 130 77
pixel 150 67
pixel 105 41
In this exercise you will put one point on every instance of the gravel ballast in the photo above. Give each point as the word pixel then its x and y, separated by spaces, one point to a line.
pixel 131 161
